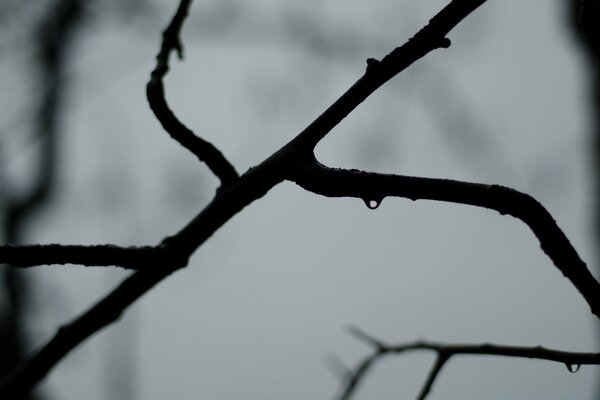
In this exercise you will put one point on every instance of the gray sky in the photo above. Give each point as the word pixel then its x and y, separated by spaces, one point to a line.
pixel 267 301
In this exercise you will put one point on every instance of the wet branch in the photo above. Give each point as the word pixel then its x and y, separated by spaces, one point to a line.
pixel 445 351
pixel 202 149
pixel 372 188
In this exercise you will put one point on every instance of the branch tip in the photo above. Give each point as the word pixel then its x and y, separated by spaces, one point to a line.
pixel 365 337
pixel 204 150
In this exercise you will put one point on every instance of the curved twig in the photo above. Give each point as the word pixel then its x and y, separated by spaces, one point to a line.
pixel 201 148
pixel 373 188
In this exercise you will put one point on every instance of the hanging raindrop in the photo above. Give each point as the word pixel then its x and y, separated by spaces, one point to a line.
pixel 573 367
pixel 372 204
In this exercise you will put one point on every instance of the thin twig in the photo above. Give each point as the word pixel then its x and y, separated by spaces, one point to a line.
pixel 201 148
pixel 435 370
pixel 445 351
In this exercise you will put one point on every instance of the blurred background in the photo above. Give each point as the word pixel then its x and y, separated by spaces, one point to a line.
pixel 263 309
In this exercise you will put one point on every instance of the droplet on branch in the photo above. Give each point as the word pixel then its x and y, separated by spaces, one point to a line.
pixel 573 367
pixel 372 203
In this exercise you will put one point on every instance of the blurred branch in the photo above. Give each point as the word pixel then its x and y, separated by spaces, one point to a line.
pixel 585 20
pixel 585 17
pixel 53 37
pixel 202 149
pixel 446 351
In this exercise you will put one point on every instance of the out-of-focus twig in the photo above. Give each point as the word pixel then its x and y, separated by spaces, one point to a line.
pixel 445 351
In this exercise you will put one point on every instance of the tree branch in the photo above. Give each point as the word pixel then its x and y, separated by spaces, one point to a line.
pixel 436 368
pixel 201 148
pixel 97 255
pixel 445 351
pixel 431 37
pixel 177 249
pixel 372 188
pixel 108 310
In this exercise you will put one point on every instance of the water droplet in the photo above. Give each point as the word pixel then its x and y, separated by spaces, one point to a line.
pixel 573 367
pixel 372 204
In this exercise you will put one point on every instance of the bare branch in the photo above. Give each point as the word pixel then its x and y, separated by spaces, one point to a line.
pixel 35 367
pixel 96 255
pixel 365 337
pixel 355 376
pixel 373 188
pixel 431 37
pixel 177 249
pixel 336 365
pixel 202 149
pixel 445 351
pixel 440 361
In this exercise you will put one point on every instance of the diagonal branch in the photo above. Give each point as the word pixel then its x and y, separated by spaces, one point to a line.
pixel 177 249
pixel 431 37
pixel 97 255
pixel 373 188
pixel 436 368
pixel 445 351
pixel 108 310
pixel 201 148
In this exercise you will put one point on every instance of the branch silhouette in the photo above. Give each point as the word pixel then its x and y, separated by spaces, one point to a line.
pixel 24 256
pixel 444 352
pixel 204 150
pixel 293 162
pixel 373 188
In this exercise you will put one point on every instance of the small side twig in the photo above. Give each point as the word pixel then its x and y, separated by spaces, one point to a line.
pixel 201 148
pixel 445 351
pixel 435 370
